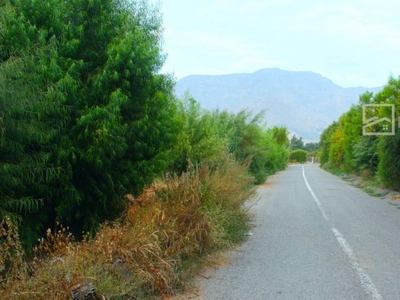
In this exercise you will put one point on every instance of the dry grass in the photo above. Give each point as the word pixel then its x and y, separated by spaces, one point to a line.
pixel 148 253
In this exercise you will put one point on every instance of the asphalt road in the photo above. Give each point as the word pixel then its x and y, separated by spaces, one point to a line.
pixel 315 237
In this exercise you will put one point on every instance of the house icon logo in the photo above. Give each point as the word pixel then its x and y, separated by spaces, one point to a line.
pixel 378 119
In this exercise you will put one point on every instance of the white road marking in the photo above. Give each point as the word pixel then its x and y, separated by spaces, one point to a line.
pixel 321 209
pixel 366 281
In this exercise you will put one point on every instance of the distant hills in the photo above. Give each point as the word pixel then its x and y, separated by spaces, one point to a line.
pixel 305 102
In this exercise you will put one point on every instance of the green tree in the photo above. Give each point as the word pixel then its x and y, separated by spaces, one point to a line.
pixel 351 123
pixel 311 147
pixel 24 164
pixel 117 125
pixel 281 135
pixel 342 142
pixel 336 151
pixel 277 149
pixel 389 146
pixel 296 143
pixel 26 167
pixel 248 137
pixel 202 138
pixel 365 153
pixel 208 135
pixel 325 142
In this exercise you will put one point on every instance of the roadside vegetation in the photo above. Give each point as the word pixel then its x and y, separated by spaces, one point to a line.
pixel 151 250
pixel 344 148
pixel 110 186
pixel 300 152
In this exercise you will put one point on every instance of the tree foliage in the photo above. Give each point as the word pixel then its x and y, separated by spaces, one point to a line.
pixel 312 147
pixel 296 143
pixel 298 155
pixel 389 146
pixel 29 120
pixel 84 106
pixel 86 117
pixel 207 134
pixel 343 144
pixel 325 142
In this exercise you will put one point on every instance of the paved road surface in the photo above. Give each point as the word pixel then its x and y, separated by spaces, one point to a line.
pixel 316 237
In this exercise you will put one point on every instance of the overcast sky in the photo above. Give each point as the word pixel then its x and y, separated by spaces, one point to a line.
pixel 352 43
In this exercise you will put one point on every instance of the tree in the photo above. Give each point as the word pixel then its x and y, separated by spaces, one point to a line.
pixel 296 143
pixel 203 136
pixel 311 147
pixel 342 143
pixel 365 153
pixel 389 146
pixel 351 124
pixel 281 135
pixel 210 135
pixel 109 117
pixel 26 169
pixel 326 143
pixel 336 151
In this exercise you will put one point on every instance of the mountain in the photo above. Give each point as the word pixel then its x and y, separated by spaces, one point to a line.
pixel 305 102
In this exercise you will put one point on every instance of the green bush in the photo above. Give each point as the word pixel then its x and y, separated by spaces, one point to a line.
pixel 389 160
pixel 298 156
pixel 206 135
pixel 365 152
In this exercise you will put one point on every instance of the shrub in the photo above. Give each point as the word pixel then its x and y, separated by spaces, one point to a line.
pixel 298 156
pixel 145 253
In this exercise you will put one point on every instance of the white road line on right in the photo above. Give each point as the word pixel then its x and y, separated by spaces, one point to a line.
pixel 366 281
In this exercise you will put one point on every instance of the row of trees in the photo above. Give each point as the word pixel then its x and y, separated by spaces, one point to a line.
pixel 344 146
pixel 86 117
pixel 207 134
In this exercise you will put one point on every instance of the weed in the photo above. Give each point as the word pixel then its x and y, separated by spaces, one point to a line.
pixel 157 244
pixel 372 191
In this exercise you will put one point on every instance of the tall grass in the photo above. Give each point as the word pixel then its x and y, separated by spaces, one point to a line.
pixel 148 252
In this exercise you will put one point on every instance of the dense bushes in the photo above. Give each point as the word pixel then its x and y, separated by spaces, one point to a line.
pixel 83 109
pixel 345 147
pixel 298 156
pixel 207 134
pixel 88 126
pixel 86 117
pixel 147 252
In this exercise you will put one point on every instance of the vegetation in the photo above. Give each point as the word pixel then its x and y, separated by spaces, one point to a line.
pixel 301 152
pixel 98 113
pixel 88 126
pixel 298 155
pixel 147 251
pixel 296 143
pixel 208 134
pixel 344 147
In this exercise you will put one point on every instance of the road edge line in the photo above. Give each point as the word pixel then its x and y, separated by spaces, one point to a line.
pixel 366 281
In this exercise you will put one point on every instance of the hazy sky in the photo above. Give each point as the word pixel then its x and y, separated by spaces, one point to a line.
pixel 351 42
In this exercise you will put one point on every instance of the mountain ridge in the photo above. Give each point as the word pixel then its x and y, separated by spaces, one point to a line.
pixel 303 101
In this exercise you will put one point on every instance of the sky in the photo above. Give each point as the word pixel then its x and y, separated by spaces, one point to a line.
pixel 353 43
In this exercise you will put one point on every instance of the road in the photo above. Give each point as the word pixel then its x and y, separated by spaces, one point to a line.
pixel 315 237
